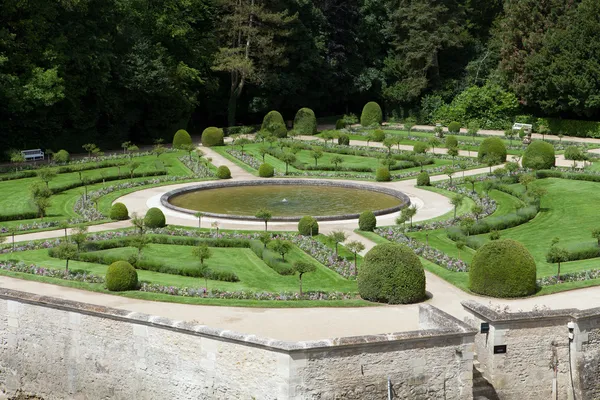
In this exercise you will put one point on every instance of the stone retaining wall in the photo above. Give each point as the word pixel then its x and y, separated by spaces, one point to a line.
pixel 59 349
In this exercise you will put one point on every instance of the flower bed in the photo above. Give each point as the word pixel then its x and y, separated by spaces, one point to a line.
pixel 78 276
pixel 570 277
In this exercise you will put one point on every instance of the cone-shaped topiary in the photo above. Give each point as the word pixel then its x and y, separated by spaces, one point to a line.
pixel 383 175
pixel 119 212
pixel 539 155
pixel 266 170
pixel 344 140
pixel 181 138
pixel 503 268
pixel 340 124
pixel 423 179
pixel 212 136
pixel 223 172
pixel 121 276
pixel 155 218
pixel 274 124
pixel 367 221
pixel 392 273
pixel 492 147
pixel 305 122
pixel 308 226
pixel 371 114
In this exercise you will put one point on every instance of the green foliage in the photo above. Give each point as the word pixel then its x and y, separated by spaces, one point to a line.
pixel 344 140
pixel 378 135
pixel 266 170
pixel 339 124
pixel 212 136
pixel 119 212
pixel 492 147
pixel 61 157
pixel 503 268
pixel 383 175
pixel 223 172
pixel 423 179
pixel 392 273
pixel 420 148
pixel 274 124
pixel 454 127
pixel 121 276
pixel 155 218
pixel 367 221
pixel 451 142
pixel 305 122
pixel 181 138
pixel 539 155
pixel 308 226
pixel 371 114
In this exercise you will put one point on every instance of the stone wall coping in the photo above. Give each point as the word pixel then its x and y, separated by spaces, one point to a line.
pixel 486 313
pixel 451 327
pixel 164 199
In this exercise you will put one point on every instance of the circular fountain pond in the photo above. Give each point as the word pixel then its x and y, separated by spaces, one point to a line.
pixel 288 200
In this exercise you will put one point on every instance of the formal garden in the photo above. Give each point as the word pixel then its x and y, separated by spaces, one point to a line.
pixel 520 225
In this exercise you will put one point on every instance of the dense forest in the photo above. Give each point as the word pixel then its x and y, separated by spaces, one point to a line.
pixel 75 71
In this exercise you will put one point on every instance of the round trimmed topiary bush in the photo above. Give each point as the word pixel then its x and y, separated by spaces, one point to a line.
pixel 305 122
pixel 340 124
pixel 383 175
pixel 367 221
pixel 119 212
pixel 308 226
pixel 539 155
pixel 391 273
pixel 344 140
pixel 378 135
pixel 223 172
pixel 371 114
pixel 266 170
pixel 181 138
pixel 454 127
pixel 451 142
pixel 121 276
pixel 155 218
pixel 423 179
pixel 503 268
pixel 273 123
pixel 61 157
pixel 212 136
pixel 492 147
pixel 420 148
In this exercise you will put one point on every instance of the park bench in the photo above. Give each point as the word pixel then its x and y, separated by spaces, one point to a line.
pixel 33 155
pixel 526 127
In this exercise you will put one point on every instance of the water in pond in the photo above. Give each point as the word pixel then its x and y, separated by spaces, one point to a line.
pixel 285 200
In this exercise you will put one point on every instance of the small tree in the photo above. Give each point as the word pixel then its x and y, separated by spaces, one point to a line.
pixel 189 148
pixel 448 171
pixel 288 158
pixel 199 215
pixel 574 154
pixel 125 146
pixel 410 213
pixel 388 162
pixel 510 134
pixel 12 231
pixel 460 245
pixel 355 247
pixel 511 167
pixel 16 157
pixel 302 267
pixel 471 180
pixel 526 180
pixel 66 251
pixel 138 222
pixel 46 175
pixel 203 253
pixel 264 215
pixel 215 226
pixel 263 151
pixel 556 255
pixel 336 161
pixel 140 241
pixel 158 150
pixel 388 142
pixel 265 238
pixel 543 130
pixel 453 152
pixel 433 142
pixel 477 211
pixel 457 201
pixel 64 225
pixel 89 147
pixel 596 235
pixel 132 167
pixel 409 124
pixel 242 142
pixel 370 137
pixel 488 186
pixel 281 247
pixel 466 224
pixel 79 236
pixel 316 153
pixel 490 160
pixel 537 193
pixel 337 237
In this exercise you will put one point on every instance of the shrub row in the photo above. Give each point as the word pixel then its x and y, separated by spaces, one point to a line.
pixel 270 258
pixel 166 239
pixel 569 127
pixel 73 185
pixel 64 169
pixel 553 173
pixel 583 251
pixel 498 223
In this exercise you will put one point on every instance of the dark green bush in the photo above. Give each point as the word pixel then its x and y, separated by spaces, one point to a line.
pixel 583 251
pixel 273 123
pixel 308 226
pixel 271 259
pixel 61 157
pixel 493 147
pixel 506 221
pixel 305 122
pixel 454 127
pixel 451 142
pixel 570 127
pixel 423 179
pixel 367 221
pixel 119 212
pixel 266 170
pixel 212 136
pixel 539 155
pixel 420 148
pixel 121 276
pixel 155 218
pixel 392 273
pixel 378 135
pixel 344 140
pixel 371 114
pixel 340 124
pixel 181 138
pixel 567 175
pixel 383 175
pixel 223 172
pixel 503 268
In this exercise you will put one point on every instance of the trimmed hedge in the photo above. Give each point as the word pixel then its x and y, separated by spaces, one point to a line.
pixel 340 124
pixel 119 212
pixel 266 170
pixel 371 114
pixel 570 127
pixel 383 175
pixel 492 146
pixel 367 221
pixel 392 273
pixel 503 268
pixel 223 172
pixel 273 123
pixel 212 136
pixel 308 226
pixel 155 218
pixel 423 179
pixel 181 138
pixel 121 276
pixel 539 155
pixel 541 174
pixel 305 122
pixel 344 140
pixel 454 127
